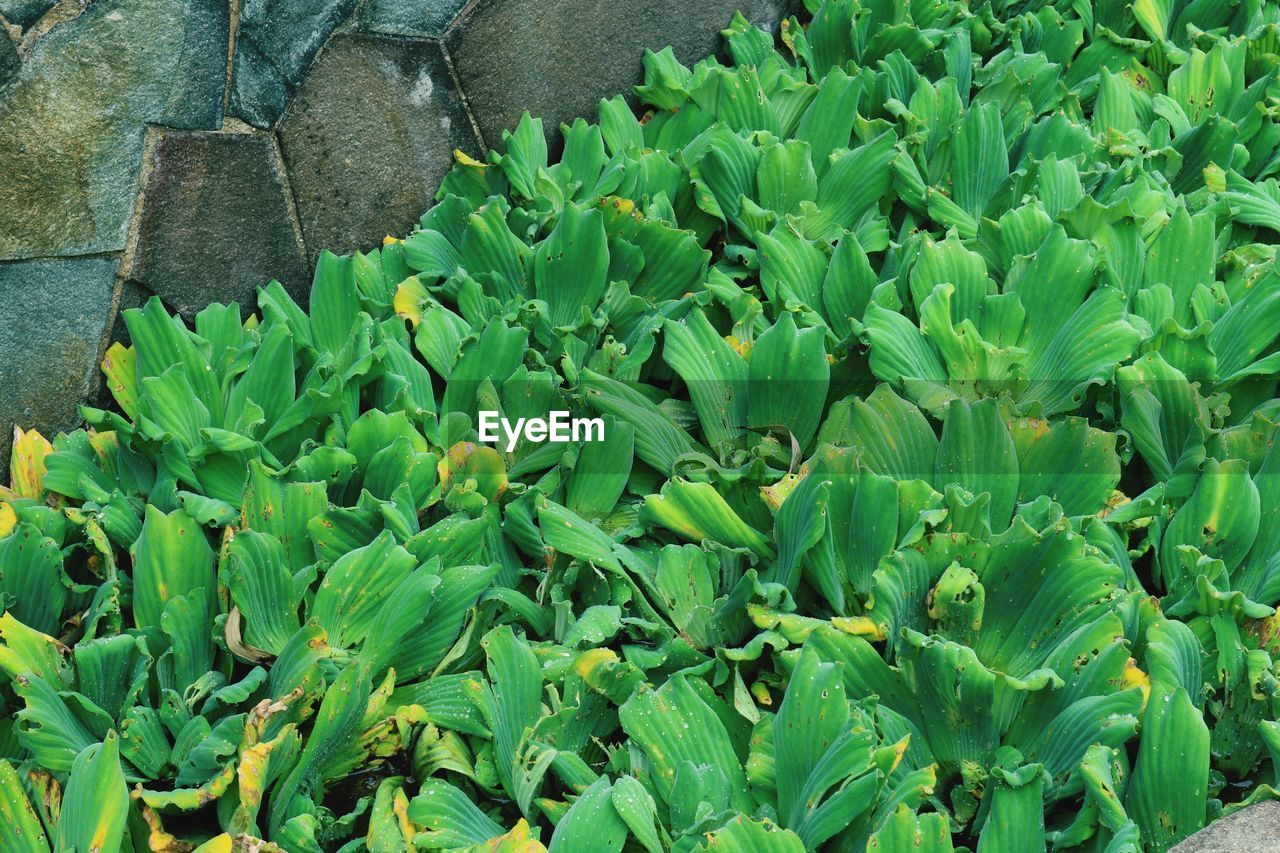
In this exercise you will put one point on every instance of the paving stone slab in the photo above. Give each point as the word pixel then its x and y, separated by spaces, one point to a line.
pixel 215 223
pixel 24 13
pixel 557 60
pixel 72 121
pixel 197 80
pixel 368 139
pixel 1255 829
pixel 275 44
pixel 10 62
pixel 429 18
pixel 49 342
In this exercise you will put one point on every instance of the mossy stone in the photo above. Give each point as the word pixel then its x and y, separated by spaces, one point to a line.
pixel 73 119
pixel 368 139
pixel 49 345
pixel 215 223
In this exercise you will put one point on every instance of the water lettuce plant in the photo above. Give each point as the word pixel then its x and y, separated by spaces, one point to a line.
pixel 937 507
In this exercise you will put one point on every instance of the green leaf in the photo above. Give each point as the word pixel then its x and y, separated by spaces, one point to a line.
pixel 892 436
pixel 510 702
pixel 171 558
pixel 1066 459
pixel 526 154
pixel 788 378
pixel 672 725
pixel 569 266
pixel 112 672
pixel 263 589
pixel 95 805
pixel 1182 257
pixel 31 578
pixel 283 509
pixel 697 512
pixel 637 809
pixel 1016 820
pixel 20 829
pixel 848 285
pixel 714 373
pixel 334 302
pixel 977 452
pixel 451 818
pixel 854 184
pixel 591 822
pixel 601 471
pixel 819 746
pixel 950 262
pixel 981 164
pixel 1166 795
pixel 354 588
pixel 906 830
pixel 1220 519
pixel 337 723
pixel 742 834
pixel 1069 363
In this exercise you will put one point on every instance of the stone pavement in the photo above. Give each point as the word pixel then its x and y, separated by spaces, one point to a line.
pixel 196 149
pixel 1255 829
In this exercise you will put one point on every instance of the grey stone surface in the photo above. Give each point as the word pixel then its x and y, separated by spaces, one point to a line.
pixel 364 103
pixel 197 80
pixel 72 121
pixel 275 43
pixel 557 60
pixel 9 60
pixel 49 343
pixel 215 224
pixel 428 18
pixel 24 13
pixel 368 139
pixel 1255 829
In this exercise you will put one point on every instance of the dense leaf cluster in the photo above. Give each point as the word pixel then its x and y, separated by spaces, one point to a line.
pixel 938 505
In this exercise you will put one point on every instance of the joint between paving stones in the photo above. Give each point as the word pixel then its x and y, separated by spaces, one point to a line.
pixel 290 200
pixel 233 30
pixel 462 96
pixel 306 145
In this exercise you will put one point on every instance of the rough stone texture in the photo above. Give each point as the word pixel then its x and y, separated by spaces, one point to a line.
pixel 24 13
pixel 368 139
pixel 366 109
pixel 72 121
pixel 1252 830
pixel 215 223
pixel 410 17
pixel 9 60
pixel 197 80
pixel 557 60
pixel 275 43
pixel 49 342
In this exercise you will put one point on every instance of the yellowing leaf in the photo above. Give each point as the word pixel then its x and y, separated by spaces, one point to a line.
pixel 1135 677
pixel 8 519
pixel 409 298
pixel 467 460
pixel 26 475
pixel 465 159
pixel 518 840
pixel 120 367
pixel 859 626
